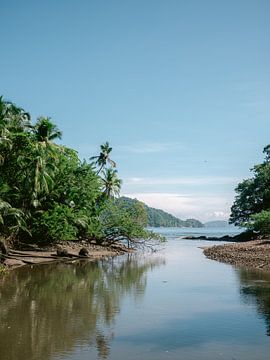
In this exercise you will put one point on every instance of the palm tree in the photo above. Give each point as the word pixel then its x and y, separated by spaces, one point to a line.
pixel 111 184
pixel 11 219
pixel 13 119
pixel 45 130
pixel 104 157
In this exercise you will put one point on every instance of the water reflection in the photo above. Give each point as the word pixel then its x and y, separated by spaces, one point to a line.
pixel 49 310
pixel 255 290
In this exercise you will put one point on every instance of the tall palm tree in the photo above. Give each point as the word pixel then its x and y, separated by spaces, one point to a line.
pixel 45 131
pixel 111 184
pixel 104 157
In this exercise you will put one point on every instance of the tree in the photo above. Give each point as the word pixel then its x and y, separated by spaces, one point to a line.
pixel 13 119
pixel 253 195
pixel 45 130
pixel 260 222
pixel 48 194
pixel 11 219
pixel 46 157
pixel 111 184
pixel 104 157
pixel 119 222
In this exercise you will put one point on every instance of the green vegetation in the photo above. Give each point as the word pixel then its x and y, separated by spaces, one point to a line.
pixel 157 217
pixel 48 194
pixel 251 208
pixel 2 269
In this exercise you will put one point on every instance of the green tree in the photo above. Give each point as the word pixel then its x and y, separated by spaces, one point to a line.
pixel 111 184
pixel 48 192
pixel 45 130
pixel 252 195
pixel 104 157
pixel 260 222
pixel 121 223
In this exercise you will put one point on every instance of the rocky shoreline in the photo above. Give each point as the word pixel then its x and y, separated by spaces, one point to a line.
pixel 242 237
pixel 251 254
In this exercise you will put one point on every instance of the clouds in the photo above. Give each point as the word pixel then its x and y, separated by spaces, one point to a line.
pixel 201 206
pixel 203 180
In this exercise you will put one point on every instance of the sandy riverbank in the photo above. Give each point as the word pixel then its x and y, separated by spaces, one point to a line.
pixel 251 254
pixel 36 256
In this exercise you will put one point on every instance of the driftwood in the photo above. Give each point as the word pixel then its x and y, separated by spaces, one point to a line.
pixel 3 248
pixel 35 258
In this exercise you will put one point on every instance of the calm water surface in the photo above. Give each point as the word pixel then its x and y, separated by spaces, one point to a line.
pixel 174 304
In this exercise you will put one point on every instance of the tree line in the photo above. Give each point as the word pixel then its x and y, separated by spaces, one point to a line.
pixel 47 193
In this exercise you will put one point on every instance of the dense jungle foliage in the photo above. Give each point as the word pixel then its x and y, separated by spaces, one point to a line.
pixel 251 208
pixel 48 194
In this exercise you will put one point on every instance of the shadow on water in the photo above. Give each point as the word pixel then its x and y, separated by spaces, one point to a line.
pixel 255 290
pixel 50 310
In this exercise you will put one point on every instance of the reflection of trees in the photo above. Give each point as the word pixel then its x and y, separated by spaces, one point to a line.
pixel 48 310
pixel 255 289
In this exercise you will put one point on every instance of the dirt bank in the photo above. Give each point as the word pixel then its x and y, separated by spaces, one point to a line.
pixel 62 252
pixel 251 254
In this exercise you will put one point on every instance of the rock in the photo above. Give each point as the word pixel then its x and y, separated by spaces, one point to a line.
pixel 62 253
pixel 84 252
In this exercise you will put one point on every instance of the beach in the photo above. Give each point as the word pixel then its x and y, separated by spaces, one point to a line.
pixel 251 254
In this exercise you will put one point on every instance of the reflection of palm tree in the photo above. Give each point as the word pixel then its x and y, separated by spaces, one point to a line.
pixel 104 157
pixel 111 184
pixel 61 305
pixel 102 346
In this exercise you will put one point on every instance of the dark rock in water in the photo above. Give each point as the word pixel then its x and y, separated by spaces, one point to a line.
pixel 62 253
pixel 245 236
pixel 242 237
pixel 191 237
pixel 84 252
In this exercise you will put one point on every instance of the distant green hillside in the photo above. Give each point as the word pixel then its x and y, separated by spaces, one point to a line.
pixel 157 217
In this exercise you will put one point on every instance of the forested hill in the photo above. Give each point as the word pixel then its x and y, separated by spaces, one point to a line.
pixel 157 217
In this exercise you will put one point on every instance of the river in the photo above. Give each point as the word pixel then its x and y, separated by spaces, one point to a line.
pixel 171 304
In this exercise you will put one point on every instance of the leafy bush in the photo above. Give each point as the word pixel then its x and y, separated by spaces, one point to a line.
pixel 56 224
pixel 260 222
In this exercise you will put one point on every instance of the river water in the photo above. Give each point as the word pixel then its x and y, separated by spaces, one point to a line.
pixel 171 304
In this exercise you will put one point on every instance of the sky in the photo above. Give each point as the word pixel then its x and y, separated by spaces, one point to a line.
pixel 180 89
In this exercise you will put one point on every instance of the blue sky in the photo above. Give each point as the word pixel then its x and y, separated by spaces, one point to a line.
pixel 179 88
